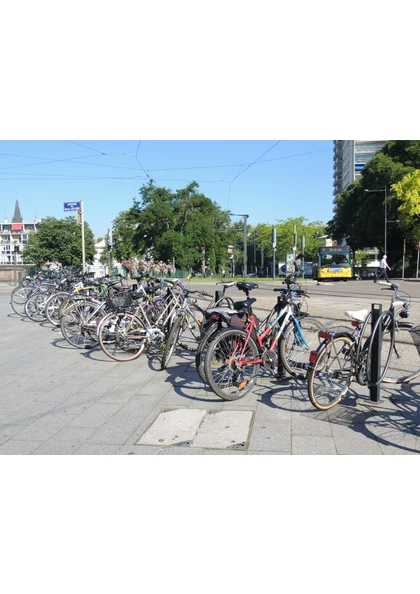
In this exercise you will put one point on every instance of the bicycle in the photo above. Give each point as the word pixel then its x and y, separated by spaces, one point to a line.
pixel 234 356
pixel 346 355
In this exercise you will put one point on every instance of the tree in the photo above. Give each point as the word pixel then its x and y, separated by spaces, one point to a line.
pixel 182 226
pixel 59 240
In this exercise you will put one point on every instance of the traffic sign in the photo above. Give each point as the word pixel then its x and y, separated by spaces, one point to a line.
pixel 68 206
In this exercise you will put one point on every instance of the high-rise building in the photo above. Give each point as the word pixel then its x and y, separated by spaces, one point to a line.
pixel 350 157
pixel 14 236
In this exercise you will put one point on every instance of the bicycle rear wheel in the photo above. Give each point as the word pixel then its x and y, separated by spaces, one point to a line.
pixel 201 352
pixel 122 336
pixel 229 367
pixel 299 339
pixel 404 365
pixel 330 376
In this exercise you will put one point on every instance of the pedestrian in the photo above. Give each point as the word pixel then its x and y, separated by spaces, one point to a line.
pixel 383 265
pixel 223 273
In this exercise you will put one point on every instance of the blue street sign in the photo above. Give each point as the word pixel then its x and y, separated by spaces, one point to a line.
pixel 71 206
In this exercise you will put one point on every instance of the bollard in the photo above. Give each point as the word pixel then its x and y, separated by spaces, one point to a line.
pixel 281 373
pixel 376 348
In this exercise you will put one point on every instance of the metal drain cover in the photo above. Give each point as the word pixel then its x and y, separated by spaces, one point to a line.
pixel 226 429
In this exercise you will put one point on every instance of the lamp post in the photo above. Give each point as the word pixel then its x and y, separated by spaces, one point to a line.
pixel 245 238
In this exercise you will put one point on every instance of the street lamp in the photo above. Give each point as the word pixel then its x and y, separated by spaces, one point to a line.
pixel 245 234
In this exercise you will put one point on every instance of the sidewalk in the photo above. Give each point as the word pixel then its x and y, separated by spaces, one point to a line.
pixel 56 399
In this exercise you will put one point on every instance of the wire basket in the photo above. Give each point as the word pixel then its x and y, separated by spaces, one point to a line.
pixel 119 300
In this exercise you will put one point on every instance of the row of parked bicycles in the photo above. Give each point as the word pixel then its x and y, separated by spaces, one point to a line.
pixel 228 341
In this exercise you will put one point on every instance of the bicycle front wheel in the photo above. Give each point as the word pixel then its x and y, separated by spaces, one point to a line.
pixel 35 307
pixel 404 365
pixel 230 365
pixel 299 339
pixel 79 324
pixel 122 336
pixel 19 298
pixel 331 374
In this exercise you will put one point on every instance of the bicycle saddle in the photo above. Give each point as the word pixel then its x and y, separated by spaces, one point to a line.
pixel 359 315
pixel 246 285
pixel 244 304
pixel 227 285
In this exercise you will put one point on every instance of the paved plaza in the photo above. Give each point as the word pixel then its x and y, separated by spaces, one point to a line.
pixel 56 399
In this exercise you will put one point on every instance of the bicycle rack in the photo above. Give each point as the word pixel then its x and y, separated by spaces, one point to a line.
pixel 374 385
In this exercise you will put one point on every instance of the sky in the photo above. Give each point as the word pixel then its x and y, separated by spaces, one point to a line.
pixel 270 180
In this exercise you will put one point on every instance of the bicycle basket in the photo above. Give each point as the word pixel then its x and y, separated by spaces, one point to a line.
pixel 119 300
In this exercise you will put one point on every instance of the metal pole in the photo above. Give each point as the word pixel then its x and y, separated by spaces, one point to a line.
pixel 386 199
pixel 82 219
pixel 14 268
pixel 375 363
pixel 255 254
pixel 417 271
pixel 108 247
pixel 245 246
pixel 403 263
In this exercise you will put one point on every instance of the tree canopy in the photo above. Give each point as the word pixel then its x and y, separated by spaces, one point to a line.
pixel 59 240
pixel 182 226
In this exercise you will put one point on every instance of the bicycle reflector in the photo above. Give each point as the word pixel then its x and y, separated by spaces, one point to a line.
pixel 312 356
pixel 355 324
pixel 324 334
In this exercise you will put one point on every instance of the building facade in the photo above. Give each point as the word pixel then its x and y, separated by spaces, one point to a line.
pixel 350 157
pixel 14 236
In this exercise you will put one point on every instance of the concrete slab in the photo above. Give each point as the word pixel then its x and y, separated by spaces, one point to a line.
pixel 173 427
pixel 226 429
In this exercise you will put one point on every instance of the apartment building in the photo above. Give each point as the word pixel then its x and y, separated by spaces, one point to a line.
pixel 350 157
pixel 13 236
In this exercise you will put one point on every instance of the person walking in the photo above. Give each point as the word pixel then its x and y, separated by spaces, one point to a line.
pixel 383 265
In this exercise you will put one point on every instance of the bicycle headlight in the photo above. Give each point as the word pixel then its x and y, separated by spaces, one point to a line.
pixel 404 313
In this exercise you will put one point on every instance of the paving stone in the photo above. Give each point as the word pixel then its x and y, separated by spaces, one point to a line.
pixel 44 428
pixel 304 425
pixel 180 451
pixel 64 442
pixel 95 415
pixel 92 449
pixel 8 431
pixel 29 413
pixel 139 450
pixel 310 445
pixel 354 440
pixel 15 447
pixel 173 427
pixel 270 435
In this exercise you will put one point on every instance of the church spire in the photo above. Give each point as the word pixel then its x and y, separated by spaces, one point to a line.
pixel 17 217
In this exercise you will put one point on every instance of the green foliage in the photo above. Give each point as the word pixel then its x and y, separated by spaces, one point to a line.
pixel 408 193
pixel 59 240
pixel 182 226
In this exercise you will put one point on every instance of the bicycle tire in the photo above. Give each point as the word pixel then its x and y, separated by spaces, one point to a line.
pixel 19 298
pixel 404 365
pixel 122 336
pixel 172 341
pixel 202 349
pixel 331 374
pixel 385 320
pixel 226 376
pixel 77 326
pixel 294 354
pixel 52 307
pixel 35 307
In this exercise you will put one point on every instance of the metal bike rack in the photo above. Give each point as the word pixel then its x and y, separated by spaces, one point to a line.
pixel 375 365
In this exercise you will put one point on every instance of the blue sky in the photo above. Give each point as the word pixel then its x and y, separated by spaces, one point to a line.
pixel 269 180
